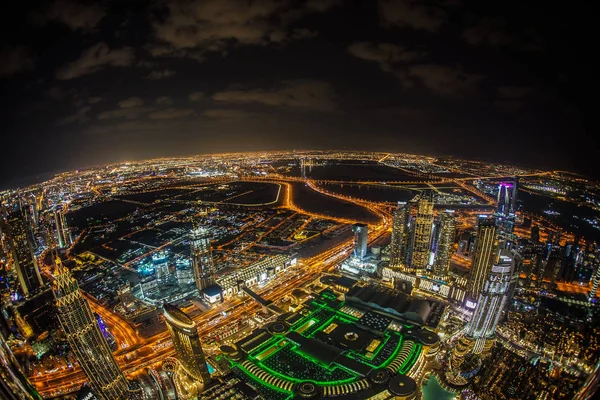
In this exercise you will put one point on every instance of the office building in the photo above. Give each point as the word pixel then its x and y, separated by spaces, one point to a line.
pixel 422 232
pixel 507 198
pixel 63 234
pixel 484 255
pixel 361 237
pixel 593 258
pixel 201 254
pixel 187 343
pixel 86 339
pixel 445 245
pixel 160 262
pixel 24 261
pixel 399 234
pixel 490 304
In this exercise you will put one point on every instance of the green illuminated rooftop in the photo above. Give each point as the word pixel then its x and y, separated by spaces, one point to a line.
pixel 325 350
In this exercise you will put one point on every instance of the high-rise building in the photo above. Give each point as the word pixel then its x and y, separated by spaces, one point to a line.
pixel 490 304
pixel 187 343
pixel 447 232
pixel 63 234
pixel 507 198
pixel 535 234
pixel 85 337
pixel 13 383
pixel 422 232
pixel 201 254
pixel 399 234
pixel 484 255
pixel 361 236
pixel 24 261
pixel 593 258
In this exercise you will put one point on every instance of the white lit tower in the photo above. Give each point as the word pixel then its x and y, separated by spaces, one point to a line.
pixel 593 257
pixel 422 233
pixel 85 337
pixel 490 304
pixel 399 234
pixel 201 257
pixel 63 233
pixel 361 235
pixel 484 255
pixel 441 266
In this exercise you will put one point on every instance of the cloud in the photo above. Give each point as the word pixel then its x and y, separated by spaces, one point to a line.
pixel 171 113
pixel 222 113
pixel 515 92
pixel 14 60
pixel 495 32
pixel 302 94
pixel 414 14
pixel 74 14
pixel 213 25
pixel 131 102
pixel 164 100
pixel 446 81
pixel 127 113
pixel 384 54
pixel 154 75
pixel 80 116
pixel 94 59
pixel 196 96
pixel 94 100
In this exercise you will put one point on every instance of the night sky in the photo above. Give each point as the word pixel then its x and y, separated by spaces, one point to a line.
pixel 95 82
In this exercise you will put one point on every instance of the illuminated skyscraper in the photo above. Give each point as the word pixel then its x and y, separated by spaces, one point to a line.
pixel 422 232
pixel 507 198
pixel 201 253
pixel 447 231
pixel 160 262
pixel 593 257
pixel 484 255
pixel 13 383
pixel 63 234
pixel 187 343
pixel 399 234
pixel 361 235
pixel 85 337
pixel 24 261
pixel 490 303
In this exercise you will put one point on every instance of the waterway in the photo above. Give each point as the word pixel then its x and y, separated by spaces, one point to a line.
pixel 433 391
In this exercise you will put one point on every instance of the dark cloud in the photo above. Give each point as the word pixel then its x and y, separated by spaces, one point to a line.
pixel 171 113
pixel 446 81
pixel 223 113
pixel 131 102
pixel 302 94
pixel 94 59
pixel 494 31
pixel 416 14
pixel 94 100
pixel 384 54
pixel 74 14
pixel 154 75
pixel 212 25
pixel 196 96
pixel 14 60
pixel 80 115
pixel 164 100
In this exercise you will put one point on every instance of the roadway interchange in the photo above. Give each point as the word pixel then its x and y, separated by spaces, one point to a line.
pixel 136 353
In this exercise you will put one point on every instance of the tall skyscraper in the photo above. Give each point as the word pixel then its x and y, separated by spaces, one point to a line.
pixel 507 198
pixel 160 262
pixel 201 253
pixel 593 258
pixel 13 383
pixel 63 234
pixel 484 255
pixel 85 337
pixel 187 343
pixel 399 234
pixel 24 261
pixel 361 237
pixel 422 232
pixel 490 303
pixel 447 232
pixel 535 234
